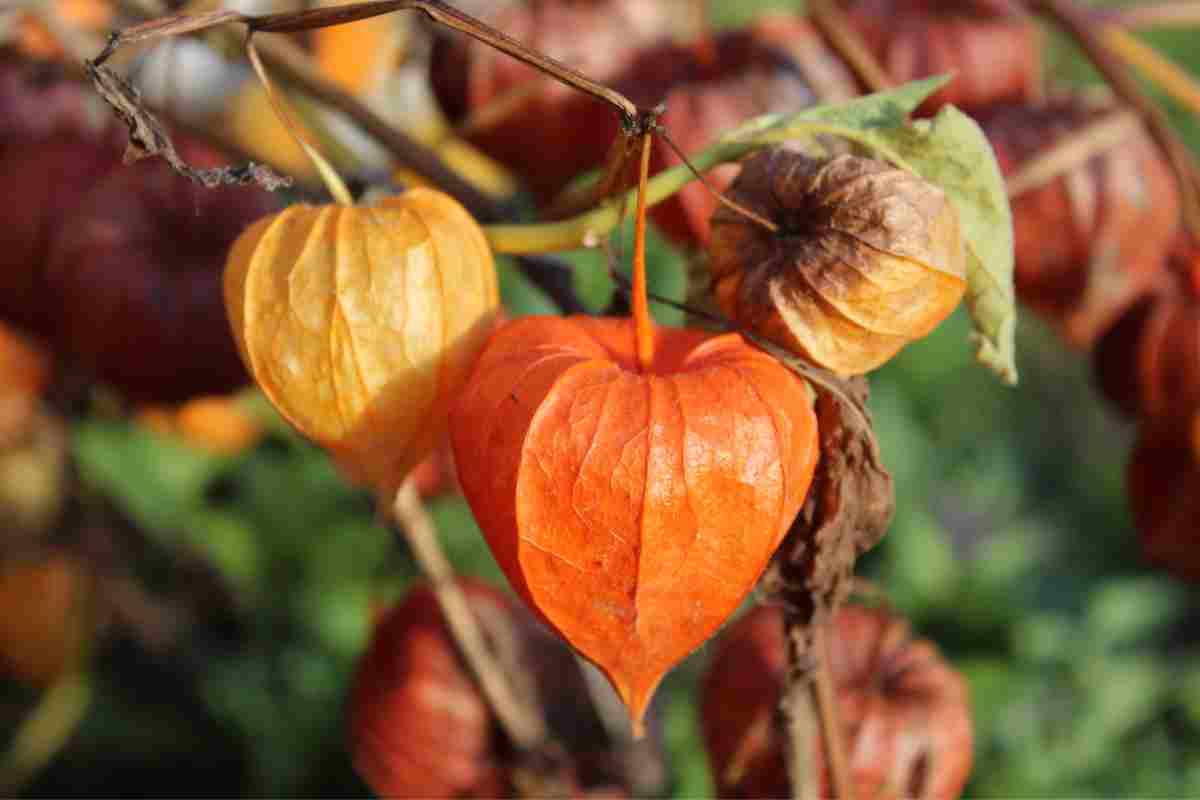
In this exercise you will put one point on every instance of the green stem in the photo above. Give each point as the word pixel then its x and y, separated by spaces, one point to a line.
pixel 589 228
pixel 45 731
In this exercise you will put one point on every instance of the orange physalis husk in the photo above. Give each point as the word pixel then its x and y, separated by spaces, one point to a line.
pixel 633 508
pixel 361 323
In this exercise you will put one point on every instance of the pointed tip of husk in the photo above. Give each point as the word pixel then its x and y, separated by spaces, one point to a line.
pixel 636 695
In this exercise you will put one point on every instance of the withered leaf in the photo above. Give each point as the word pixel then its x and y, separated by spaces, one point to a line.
pixel 149 137
pixel 849 507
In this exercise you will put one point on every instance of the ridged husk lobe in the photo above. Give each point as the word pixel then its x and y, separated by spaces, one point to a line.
pixel 867 257
pixel 361 323
pixel 633 510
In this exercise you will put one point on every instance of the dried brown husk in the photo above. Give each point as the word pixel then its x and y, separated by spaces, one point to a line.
pixel 867 257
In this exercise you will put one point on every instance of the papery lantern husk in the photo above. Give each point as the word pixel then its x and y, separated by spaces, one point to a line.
pixel 360 324
pixel 867 257
pixel 418 724
pixel 1088 244
pixel 633 510
pixel 905 713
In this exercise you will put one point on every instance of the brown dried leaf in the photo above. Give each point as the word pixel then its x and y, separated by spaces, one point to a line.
pixel 149 137
pixel 848 509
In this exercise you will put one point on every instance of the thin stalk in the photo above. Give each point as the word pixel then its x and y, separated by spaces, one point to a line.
pixel 590 228
pixel 333 181
pixel 1077 22
pixel 798 712
pixel 1173 80
pixel 296 68
pixel 828 714
pixel 45 731
pixel 1175 14
pixel 1073 151
pixel 849 45
pixel 295 22
pixel 521 721
pixel 642 322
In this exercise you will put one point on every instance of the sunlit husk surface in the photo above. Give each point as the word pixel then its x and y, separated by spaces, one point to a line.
pixel 361 323
pixel 634 510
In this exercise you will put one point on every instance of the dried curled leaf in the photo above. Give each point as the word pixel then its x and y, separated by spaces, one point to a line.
pixel 149 137
pixel 633 510
pixel 360 324
pixel 848 510
pixel 867 257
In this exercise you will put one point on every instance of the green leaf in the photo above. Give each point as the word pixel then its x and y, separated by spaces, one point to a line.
pixel 952 152
pixel 886 109
pixel 154 479
pixel 521 297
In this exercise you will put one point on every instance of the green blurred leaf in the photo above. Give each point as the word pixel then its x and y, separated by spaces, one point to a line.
pixel 1046 638
pixel 884 110
pixel 154 479
pixel 1126 611
pixel 520 297
pixel 923 573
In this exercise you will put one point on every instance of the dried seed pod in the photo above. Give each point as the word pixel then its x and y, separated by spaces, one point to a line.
pixel 418 725
pixel 361 323
pixel 1163 483
pixel 42 621
pixel 135 279
pixel 778 64
pixel 547 132
pixel 905 713
pixel 991 46
pixel 632 508
pixel 1090 243
pixel 867 257
pixel 1149 362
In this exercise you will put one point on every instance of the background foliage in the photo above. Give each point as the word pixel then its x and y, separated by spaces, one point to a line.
pixel 1012 548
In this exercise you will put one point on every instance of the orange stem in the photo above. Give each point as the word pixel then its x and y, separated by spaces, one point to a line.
pixel 643 325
